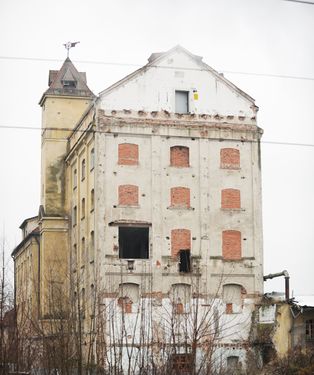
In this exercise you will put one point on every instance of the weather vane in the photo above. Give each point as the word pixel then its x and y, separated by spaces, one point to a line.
pixel 69 45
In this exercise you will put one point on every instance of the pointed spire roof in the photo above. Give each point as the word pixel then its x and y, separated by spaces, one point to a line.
pixel 67 81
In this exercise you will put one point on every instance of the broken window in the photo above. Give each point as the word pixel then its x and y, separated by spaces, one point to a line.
pixel 133 243
pixel 185 261
pixel 182 102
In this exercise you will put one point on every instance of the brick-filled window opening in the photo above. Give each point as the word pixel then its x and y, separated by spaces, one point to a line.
pixel 128 195
pixel 232 297
pixel 128 295
pixel 231 245
pixel 83 208
pixel 83 171
pixel 230 199
pixel 92 199
pixel 180 197
pixel 179 156
pixel 74 178
pixel 229 158
pixel 180 297
pixel 92 159
pixel 133 243
pixel 74 216
pixel 180 240
pixel 309 330
pixel 185 261
pixel 128 154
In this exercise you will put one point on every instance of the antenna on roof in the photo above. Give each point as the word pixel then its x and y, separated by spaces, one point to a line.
pixel 69 45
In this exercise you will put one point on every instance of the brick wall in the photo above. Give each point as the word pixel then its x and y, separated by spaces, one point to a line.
pixel 179 156
pixel 127 154
pixel 230 199
pixel 128 195
pixel 231 244
pixel 180 240
pixel 180 197
pixel 229 158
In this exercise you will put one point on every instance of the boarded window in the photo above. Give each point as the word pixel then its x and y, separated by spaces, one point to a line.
pixel 127 154
pixel 182 102
pixel 179 156
pixel 133 243
pixel 230 199
pixel 231 245
pixel 180 240
pixel 128 195
pixel 229 158
pixel 180 197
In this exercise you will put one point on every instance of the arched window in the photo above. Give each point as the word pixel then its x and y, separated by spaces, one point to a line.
pixel 74 178
pixel 179 156
pixel 180 297
pixel 128 295
pixel 92 199
pixel 83 209
pixel 92 159
pixel 83 171
pixel 232 297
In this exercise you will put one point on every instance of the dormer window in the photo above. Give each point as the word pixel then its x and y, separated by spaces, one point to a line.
pixel 67 83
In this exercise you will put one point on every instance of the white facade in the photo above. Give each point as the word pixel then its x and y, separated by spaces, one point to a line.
pixel 225 276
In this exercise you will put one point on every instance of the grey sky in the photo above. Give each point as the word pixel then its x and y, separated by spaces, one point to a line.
pixel 269 36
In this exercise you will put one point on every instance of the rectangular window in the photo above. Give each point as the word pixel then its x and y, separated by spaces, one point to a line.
pixel 185 261
pixel 309 329
pixel 182 102
pixel 133 243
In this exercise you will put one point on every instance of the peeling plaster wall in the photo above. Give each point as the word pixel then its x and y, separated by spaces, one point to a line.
pixel 153 89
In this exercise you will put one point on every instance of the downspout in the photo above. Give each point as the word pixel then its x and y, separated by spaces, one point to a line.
pixel 286 276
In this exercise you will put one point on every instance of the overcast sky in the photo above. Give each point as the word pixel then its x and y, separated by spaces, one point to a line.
pixel 274 37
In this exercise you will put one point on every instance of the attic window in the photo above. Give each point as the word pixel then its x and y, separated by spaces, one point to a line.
pixel 67 83
pixel 182 102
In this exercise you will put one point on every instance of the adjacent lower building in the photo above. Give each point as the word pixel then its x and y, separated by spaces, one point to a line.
pixel 149 233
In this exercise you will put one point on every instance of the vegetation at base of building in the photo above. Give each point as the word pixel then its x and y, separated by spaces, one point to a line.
pixel 297 362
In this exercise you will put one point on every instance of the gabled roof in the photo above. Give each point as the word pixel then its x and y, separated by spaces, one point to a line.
pixel 67 81
pixel 156 58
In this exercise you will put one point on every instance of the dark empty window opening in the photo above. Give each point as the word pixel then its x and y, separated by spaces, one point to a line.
pixel 185 261
pixel 133 243
pixel 68 83
pixel 182 102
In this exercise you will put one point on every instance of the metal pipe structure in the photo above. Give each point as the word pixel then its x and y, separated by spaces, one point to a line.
pixel 286 276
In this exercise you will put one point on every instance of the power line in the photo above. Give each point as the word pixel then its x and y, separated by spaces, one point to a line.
pixel 283 76
pixel 300 1
pixel 19 127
